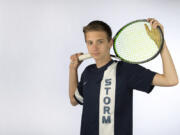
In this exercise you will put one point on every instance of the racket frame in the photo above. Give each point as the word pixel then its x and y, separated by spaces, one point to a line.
pixel 140 62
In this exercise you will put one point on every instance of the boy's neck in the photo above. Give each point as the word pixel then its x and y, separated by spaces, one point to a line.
pixel 101 63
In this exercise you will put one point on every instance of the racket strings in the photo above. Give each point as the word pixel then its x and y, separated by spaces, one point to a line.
pixel 134 44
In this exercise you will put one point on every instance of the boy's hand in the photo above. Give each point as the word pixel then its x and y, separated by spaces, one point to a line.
pixel 154 32
pixel 75 61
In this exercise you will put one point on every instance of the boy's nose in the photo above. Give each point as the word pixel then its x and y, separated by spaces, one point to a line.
pixel 94 47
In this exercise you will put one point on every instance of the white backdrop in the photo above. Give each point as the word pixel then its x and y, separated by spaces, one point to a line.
pixel 36 40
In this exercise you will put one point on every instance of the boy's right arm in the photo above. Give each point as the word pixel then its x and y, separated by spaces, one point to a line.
pixel 73 77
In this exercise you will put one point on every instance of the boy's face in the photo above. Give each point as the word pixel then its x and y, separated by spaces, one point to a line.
pixel 97 44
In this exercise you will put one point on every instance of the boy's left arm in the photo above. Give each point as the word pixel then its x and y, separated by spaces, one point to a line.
pixel 169 76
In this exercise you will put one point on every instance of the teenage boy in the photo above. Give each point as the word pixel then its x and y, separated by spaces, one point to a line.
pixel 106 87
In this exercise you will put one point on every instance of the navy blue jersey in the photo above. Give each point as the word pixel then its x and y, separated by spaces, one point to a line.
pixel 128 77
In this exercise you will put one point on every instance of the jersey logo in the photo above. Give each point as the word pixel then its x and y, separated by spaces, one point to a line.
pixel 85 83
pixel 107 100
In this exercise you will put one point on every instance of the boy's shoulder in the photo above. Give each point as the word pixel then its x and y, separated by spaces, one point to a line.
pixel 90 67
pixel 128 67
pixel 120 65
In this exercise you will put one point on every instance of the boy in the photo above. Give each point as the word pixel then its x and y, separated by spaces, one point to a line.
pixel 107 99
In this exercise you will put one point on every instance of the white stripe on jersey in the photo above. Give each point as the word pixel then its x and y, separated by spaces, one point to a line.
pixel 107 101
pixel 78 96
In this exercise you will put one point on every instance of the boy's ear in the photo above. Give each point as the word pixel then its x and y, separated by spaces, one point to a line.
pixel 111 43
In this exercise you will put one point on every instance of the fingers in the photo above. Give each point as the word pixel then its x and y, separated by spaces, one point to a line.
pixel 147 28
pixel 154 23
pixel 74 64
pixel 74 58
pixel 79 54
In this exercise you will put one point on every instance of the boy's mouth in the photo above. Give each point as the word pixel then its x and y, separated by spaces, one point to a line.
pixel 95 54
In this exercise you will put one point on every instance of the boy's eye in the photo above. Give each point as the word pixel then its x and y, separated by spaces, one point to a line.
pixel 100 41
pixel 89 43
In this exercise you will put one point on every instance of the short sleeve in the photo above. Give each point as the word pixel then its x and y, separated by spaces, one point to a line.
pixel 79 91
pixel 140 78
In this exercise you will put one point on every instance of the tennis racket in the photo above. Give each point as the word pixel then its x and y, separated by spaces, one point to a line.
pixel 136 42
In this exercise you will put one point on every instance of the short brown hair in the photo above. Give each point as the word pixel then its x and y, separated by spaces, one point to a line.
pixel 98 26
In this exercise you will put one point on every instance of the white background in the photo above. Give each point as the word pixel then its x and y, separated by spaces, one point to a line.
pixel 36 40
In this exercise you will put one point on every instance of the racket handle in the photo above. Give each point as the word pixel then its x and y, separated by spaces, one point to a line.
pixel 84 57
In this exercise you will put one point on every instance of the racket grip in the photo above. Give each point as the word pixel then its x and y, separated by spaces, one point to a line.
pixel 84 57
